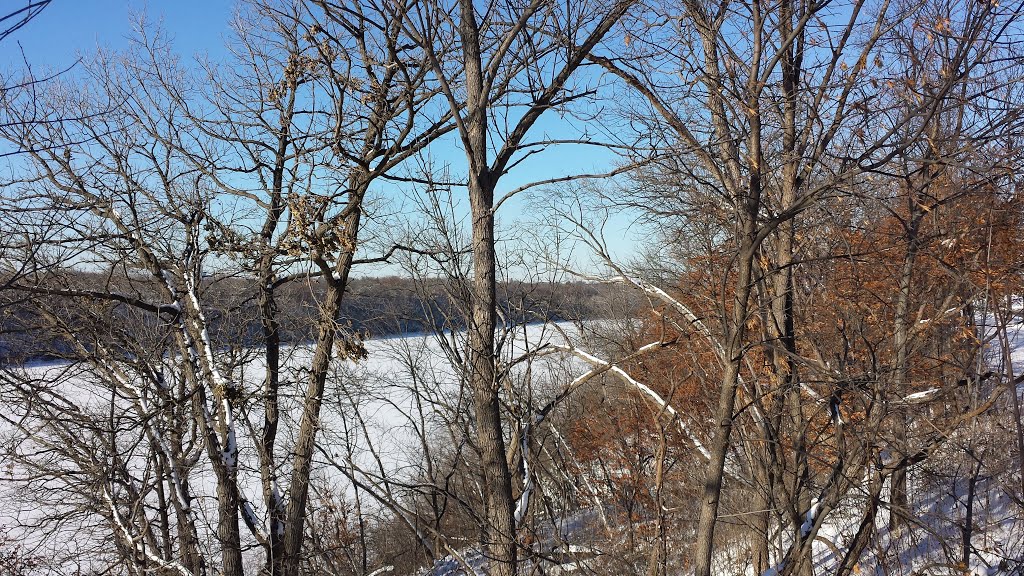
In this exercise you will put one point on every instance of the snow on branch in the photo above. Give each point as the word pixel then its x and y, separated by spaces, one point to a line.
pixel 922 396
pixel 229 447
pixel 116 374
pixel 605 366
pixel 134 543
pixel 524 499
pixel 650 289
pixel 676 305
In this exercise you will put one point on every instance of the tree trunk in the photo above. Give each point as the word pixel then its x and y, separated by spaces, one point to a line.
pixel 899 500
pixel 269 320
pixel 497 479
pixel 499 536
pixel 298 487
pixel 712 493
pixel 268 469
pixel 792 62
pixel 968 530
pixel 227 528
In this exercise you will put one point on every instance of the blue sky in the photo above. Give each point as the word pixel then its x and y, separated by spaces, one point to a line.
pixel 69 28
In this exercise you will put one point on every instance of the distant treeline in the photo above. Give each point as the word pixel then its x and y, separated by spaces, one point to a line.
pixel 373 307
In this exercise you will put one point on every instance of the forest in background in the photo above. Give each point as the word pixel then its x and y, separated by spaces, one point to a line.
pixel 805 366
pixel 374 307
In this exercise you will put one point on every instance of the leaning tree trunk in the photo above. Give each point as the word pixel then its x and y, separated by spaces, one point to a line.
pixel 711 496
pixel 309 425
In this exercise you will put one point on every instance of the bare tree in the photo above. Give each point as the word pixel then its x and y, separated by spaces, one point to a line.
pixel 511 64
pixel 167 189
pixel 769 117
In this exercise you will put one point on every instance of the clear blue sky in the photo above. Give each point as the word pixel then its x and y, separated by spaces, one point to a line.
pixel 69 28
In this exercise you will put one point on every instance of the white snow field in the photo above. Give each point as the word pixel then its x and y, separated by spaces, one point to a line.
pixel 375 416
pixel 378 413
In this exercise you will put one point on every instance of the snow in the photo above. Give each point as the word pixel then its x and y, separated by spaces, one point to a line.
pixel 524 499
pixel 394 410
pixel 374 414
pixel 809 518
pixel 919 396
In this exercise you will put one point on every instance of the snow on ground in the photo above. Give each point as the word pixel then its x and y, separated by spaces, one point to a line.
pixel 375 416
pixel 924 546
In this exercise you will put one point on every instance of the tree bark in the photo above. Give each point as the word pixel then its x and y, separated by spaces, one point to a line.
pixel 298 487
pixel 499 539
pixel 899 499
pixel 711 495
